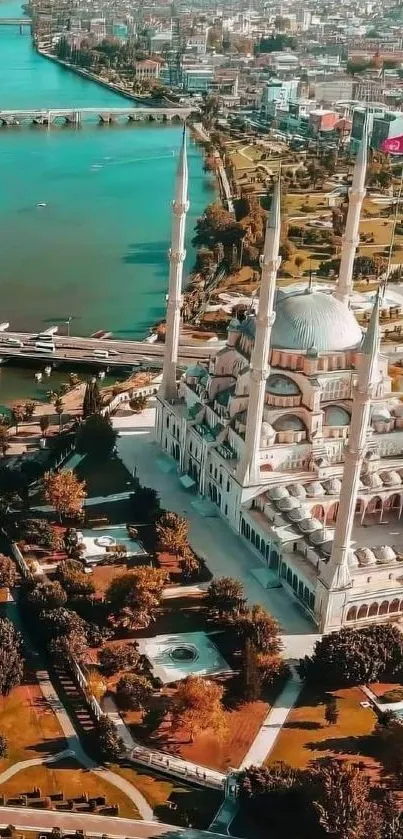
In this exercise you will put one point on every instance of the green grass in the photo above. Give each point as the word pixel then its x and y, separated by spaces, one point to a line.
pixel 104 477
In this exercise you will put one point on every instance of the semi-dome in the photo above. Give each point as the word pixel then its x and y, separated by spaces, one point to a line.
pixel 266 432
pixel 314 321
pixel 288 422
pixel 365 556
pixel 380 414
pixel 314 489
pixel 297 490
pixel 385 554
pixel 391 478
pixel 333 486
pixel 286 504
pixel 278 492
pixel 372 481
pixel 335 415
pixel 280 385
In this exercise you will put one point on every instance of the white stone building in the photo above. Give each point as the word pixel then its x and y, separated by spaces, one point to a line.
pixel 294 433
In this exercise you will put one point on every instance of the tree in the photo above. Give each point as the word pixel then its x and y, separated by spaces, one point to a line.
pixel 344 807
pixel 92 399
pixel 261 629
pixel 189 565
pixel 299 261
pixel 44 423
pixel 4 439
pixel 172 533
pixel 40 532
pixel 132 691
pixel 331 712
pixel 354 657
pixel 251 679
pixel 29 410
pixel 225 598
pixel 8 572
pixel 119 657
pixel 146 505
pixel 17 416
pixel 56 623
pixel 197 707
pixel 64 492
pixel 107 743
pixel 11 661
pixel 72 645
pixel 73 579
pixel 257 782
pixel 134 597
pixel 46 595
pixel 70 542
pixel 3 746
pixel 59 408
pixel 138 404
pixel 96 437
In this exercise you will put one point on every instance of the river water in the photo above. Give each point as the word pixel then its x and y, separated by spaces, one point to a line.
pixel 97 251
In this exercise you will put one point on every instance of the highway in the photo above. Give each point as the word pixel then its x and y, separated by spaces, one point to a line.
pixel 23 819
pixel 121 353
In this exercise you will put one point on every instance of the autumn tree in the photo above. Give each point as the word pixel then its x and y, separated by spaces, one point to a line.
pixel 197 707
pixel 355 657
pixel 189 565
pixel 73 579
pixel 17 416
pixel 8 572
pixel 106 741
pixel 344 807
pixel 59 408
pixel 56 623
pixel 172 533
pixel 11 661
pixel 331 712
pixel 134 597
pixel 257 626
pixel 132 691
pixel 225 598
pixel 92 398
pixel 46 595
pixel 119 657
pixel 96 437
pixel 64 492
pixel 44 423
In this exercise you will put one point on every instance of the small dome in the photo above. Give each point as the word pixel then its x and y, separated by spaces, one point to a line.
pixel 298 514
pixel 398 409
pixel 372 481
pixel 234 325
pixel 353 560
pixel 391 478
pixel 278 492
pixel 286 504
pixel 335 415
pixel 309 525
pixel 326 548
pixel 297 490
pixel 288 422
pixel 380 414
pixel 365 556
pixel 385 554
pixel 319 537
pixel 307 320
pixel 280 385
pixel 333 486
pixel 315 489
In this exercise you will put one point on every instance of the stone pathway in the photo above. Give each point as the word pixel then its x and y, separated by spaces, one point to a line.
pixel 272 725
pixel 35 761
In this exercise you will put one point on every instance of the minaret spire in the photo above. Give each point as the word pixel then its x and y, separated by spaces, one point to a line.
pixel 351 238
pixel 336 575
pixel 177 253
pixel 249 466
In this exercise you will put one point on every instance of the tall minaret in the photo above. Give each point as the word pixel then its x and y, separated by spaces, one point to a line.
pixel 335 576
pixel 351 238
pixel 177 253
pixel 249 466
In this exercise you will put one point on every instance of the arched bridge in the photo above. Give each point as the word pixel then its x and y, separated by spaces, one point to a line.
pixel 74 116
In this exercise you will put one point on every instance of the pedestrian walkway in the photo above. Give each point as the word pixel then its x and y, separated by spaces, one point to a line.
pixel 272 725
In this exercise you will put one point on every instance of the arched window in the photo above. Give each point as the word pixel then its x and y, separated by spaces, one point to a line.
pixel 352 613
pixel 384 607
pixel 295 582
pixel 318 512
pixel 257 542
pixel 362 612
pixel 301 589
pixel 306 594
pixel 284 570
pixel 394 606
pixel 263 547
pixel 289 576
pixel 373 610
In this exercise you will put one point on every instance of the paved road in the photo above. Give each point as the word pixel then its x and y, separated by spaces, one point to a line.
pixel 95 825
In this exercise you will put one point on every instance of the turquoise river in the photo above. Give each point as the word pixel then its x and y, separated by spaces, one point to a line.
pixel 98 250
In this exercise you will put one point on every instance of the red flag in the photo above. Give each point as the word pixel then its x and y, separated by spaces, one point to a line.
pixel 393 145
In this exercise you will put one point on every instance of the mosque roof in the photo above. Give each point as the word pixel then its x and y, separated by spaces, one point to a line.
pixel 288 422
pixel 314 321
pixel 335 415
pixel 281 385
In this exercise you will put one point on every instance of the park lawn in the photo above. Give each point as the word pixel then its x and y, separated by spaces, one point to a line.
pixel 155 790
pixel 68 777
pixel 104 478
pixel 217 752
pixel 306 737
pixel 29 725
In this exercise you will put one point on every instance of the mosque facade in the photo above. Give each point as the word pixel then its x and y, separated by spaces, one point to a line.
pixel 293 432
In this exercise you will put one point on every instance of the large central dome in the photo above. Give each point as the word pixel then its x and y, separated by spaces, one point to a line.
pixel 312 320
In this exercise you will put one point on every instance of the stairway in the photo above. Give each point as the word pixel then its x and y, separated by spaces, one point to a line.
pixel 72 697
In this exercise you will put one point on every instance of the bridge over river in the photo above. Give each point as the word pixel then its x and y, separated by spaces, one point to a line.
pixel 119 354
pixel 74 116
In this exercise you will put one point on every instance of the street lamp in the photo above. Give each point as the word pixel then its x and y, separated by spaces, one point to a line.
pixel 68 322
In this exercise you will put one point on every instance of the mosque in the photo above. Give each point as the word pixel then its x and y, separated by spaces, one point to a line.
pixel 293 432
